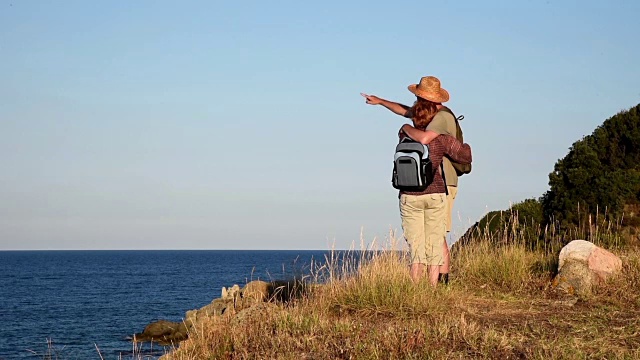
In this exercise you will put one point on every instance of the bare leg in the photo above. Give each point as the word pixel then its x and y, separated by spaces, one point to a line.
pixel 452 192
pixel 434 272
pixel 444 268
pixel 416 272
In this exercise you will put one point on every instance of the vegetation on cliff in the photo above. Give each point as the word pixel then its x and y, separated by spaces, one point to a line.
pixel 599 175
pixel 596 185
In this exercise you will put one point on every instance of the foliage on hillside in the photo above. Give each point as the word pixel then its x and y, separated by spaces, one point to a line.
pixel 596 185
pixel 521 221
pixel 599 175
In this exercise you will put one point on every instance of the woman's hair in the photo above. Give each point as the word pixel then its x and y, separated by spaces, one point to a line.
pixel 423 113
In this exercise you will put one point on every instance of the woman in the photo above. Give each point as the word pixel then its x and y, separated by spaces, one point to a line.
pixel 424 213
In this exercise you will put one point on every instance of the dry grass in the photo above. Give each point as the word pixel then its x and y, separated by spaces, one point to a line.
pixel 499 305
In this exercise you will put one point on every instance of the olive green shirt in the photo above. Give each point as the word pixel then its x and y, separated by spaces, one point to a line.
pixel 444 123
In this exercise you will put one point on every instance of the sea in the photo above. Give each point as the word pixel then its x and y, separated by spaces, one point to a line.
pixel 88 304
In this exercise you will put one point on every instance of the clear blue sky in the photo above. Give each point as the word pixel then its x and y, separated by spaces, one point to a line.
pixel 239 124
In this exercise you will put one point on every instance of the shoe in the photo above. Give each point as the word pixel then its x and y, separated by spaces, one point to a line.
pixel 444 278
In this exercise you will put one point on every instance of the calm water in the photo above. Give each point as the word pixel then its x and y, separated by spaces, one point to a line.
pixel 79 299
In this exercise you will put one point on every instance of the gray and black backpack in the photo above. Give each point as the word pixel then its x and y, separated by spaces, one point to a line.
pixel 412 169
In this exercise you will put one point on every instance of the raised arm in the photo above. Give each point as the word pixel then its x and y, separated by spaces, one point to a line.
pixel 396 108
pixel 423 137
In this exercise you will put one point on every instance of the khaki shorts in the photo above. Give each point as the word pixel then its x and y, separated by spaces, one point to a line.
pixel 451 198
pixel 423 223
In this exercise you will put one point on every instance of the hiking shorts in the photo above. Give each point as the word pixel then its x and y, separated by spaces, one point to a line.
pixel 424 226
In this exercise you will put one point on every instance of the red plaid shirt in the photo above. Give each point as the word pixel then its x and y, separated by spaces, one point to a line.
pixel 439 147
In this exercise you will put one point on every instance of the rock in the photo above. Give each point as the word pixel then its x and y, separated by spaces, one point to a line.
pixel 216 308
pixel 254 313
pixel 253 301
pixel 230 293
pixel 257 290
pixel 583 265
pixel 163 332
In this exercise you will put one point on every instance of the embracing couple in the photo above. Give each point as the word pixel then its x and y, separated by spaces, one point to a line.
pixel 426 214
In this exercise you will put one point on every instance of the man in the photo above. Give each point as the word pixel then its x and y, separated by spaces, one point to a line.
pixel 430 89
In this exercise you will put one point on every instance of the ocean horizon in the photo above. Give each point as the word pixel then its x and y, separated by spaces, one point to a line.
pixel 69 302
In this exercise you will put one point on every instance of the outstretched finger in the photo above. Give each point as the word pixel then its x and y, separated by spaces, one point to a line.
pixel 364 95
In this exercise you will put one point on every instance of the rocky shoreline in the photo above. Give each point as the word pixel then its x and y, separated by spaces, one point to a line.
pixel 251 300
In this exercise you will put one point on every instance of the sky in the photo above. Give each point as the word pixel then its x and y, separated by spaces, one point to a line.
pixel 239 125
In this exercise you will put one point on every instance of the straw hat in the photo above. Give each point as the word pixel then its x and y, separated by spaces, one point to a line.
pixel 429 89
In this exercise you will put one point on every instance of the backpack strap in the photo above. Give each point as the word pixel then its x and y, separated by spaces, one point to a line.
pixel 447 110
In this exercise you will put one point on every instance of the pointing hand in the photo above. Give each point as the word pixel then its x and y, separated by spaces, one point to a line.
pixel 372 99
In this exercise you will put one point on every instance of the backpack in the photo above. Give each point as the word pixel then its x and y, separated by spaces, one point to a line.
pixel 461 169
pixel 412 169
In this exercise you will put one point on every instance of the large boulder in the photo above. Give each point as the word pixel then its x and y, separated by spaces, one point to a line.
pixel 583 265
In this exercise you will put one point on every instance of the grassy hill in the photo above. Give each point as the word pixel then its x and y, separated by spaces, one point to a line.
pixel 499 305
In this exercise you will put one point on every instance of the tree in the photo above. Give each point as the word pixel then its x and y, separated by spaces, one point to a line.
pixel 599 175
pixel 597 182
